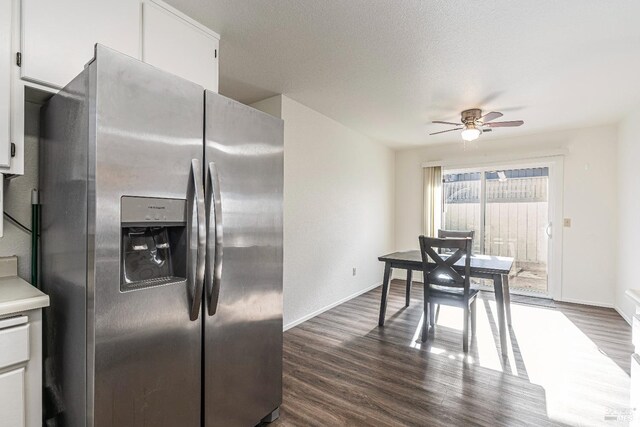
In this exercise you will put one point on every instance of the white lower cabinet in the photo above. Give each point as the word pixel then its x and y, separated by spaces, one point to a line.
pixel 12 401
pixel 21 369
pixel 634 392
pixel 14 355
pixel 20 348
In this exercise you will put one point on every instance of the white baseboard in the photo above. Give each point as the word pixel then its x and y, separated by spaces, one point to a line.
pixel 584 302
pixel 622 314
pixel 569 300
pixel 329 307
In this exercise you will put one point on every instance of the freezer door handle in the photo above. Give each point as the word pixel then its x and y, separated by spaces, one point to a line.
pixel 214 238
pixel 195 199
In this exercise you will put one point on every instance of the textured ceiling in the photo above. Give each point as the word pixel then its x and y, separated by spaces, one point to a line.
pixel 387 68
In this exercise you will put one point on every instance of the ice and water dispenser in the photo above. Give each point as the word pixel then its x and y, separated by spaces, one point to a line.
pixel 153 242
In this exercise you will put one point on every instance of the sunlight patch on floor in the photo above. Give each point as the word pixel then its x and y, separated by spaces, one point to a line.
pixel 558 356
pixel 546 349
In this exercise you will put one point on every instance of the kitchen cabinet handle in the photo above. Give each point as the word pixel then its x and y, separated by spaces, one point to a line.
pixel 195 198
pixel 214 238
pixel 548 229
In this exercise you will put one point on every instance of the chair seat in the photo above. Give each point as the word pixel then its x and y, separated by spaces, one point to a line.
pixel 444 295
pixel 452 290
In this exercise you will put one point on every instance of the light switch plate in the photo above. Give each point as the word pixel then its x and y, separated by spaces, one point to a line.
pixel 567 222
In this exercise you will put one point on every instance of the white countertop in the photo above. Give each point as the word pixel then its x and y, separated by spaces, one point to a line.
pixel 17 295
pixel 634 295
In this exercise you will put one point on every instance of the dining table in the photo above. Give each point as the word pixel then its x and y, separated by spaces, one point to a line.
pixel 491 267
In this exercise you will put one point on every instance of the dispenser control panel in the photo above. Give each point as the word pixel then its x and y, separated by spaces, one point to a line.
pixel 139 210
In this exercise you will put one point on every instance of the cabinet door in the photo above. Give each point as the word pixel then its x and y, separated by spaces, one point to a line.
pixel 12 404
pixel 634 393
pixel 179 45
pixel 6 58
pixel 58 36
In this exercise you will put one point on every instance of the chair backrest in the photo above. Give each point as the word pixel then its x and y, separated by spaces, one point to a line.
pixel 438 269
pixel 447 234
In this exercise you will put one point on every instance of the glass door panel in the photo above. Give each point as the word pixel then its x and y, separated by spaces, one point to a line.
pixel 509 211
pixel 516 219
pixel 462 204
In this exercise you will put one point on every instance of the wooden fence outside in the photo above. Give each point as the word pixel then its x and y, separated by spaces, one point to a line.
pixel 516 216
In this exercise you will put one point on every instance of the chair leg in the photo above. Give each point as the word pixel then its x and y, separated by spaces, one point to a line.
pixel 425 315
pixel 425 323
pixel 432 314
pixel 437 312
pixel 465 330
pixel 473 318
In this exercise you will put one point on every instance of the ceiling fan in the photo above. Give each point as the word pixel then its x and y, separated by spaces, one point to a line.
pixel 473 123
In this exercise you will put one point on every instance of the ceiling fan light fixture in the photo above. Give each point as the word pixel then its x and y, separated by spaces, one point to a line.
pixel 473 124
pixel 471 133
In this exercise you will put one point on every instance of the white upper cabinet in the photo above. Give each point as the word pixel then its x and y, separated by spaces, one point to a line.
pixel 175 43
pixel 58 36
pixel 6 61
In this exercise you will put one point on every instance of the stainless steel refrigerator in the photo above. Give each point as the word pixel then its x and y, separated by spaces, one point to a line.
pixel 161 251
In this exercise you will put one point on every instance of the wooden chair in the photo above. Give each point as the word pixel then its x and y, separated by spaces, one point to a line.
pixel 446 285
pixel 442 234
pixel 449 234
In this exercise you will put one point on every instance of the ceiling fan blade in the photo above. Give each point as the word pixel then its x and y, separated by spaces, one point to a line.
pixel 448 130
pixel 510 124
pixel 491 116
pixel 446 123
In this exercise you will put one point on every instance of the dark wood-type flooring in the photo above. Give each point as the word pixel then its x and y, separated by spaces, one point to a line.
pixel 568 365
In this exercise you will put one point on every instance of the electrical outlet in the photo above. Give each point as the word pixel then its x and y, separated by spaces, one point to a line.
pixel 354 271
pixel 567 222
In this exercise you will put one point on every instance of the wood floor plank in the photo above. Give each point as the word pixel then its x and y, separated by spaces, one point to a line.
pixel 567 364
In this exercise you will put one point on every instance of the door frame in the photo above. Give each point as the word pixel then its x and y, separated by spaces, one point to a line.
pixel 555 163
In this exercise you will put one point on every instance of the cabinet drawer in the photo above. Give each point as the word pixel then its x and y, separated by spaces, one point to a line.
pixel 14 345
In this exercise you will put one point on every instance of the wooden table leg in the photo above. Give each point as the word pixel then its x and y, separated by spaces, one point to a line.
pixel 408 296
pixel 385 292
pixel 497 287
pixel 507 297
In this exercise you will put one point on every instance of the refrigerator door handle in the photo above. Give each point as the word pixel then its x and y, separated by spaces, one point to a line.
pixel 214 254
pixel 195 197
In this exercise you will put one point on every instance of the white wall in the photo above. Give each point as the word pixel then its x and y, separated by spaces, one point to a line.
pixel 17 197
pixel 338 209
pixel 590 200
pixel 628 211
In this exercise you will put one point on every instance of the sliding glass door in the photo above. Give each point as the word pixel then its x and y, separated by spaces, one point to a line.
pixel 508 208
pixel 462 205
